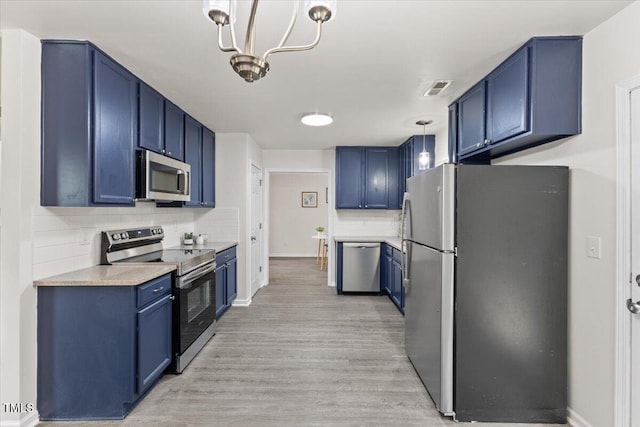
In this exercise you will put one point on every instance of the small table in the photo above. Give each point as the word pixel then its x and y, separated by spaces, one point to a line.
pixel 321 257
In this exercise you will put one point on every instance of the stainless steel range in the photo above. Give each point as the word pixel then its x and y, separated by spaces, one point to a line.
pixel 194 308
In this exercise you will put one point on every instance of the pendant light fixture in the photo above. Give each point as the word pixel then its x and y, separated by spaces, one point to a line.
pixel 244 62
pixel 424 158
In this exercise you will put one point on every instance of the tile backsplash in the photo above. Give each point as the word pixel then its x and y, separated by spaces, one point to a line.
pixel 67 239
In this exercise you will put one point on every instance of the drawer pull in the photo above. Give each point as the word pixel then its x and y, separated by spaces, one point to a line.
pixel 158 289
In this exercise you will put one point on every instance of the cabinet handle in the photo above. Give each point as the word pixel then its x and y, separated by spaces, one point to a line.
pixel 359 206
pixel 201 203
pixel 156 290
pixel 479 145
pixel 366 206
pixel 163 151
pixel 486 142
pixel 169 153
pixel 172 297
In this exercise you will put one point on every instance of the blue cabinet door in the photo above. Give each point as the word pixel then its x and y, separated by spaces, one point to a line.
pixel 221 286
pixel 208 168
pixel 376 188
pixel 151 122
pixel 174 143
pixel 396 294
pixel 193 156
pixel 471 120
pixel 231 281
pixel 154 341
pixel 453 133
pixel 115 132
pixel 409 163
pixel 349 176
pixel 508 98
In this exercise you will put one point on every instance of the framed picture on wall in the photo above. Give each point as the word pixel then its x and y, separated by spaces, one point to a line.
pixel 309 199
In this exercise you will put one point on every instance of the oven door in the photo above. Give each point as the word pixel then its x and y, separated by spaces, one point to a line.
pixel 195 305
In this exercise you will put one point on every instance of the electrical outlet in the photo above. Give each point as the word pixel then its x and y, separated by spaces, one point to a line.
pixel 86 236
pixel 594 247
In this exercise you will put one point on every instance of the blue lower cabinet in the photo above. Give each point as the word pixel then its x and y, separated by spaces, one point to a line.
pixel 100 348
pixel 226 280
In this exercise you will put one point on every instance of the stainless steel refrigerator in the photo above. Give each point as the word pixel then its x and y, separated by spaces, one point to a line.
pixel 485 268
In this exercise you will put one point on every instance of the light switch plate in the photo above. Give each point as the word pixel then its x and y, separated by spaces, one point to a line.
pixel 594 247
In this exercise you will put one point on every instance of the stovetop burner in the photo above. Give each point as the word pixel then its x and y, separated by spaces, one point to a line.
pixel 147 247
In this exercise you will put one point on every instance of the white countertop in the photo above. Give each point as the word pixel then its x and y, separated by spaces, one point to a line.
pixel 109 275
pixel 390 240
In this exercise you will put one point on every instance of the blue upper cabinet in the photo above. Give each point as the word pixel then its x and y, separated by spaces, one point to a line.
pixel 368 178
pixel 161 124
pixel 115 132
pixel 532 98
pixel 208 168
pixel 349 177
pixel 151 122
pixel 508 93
pixel 453 133
pixel 89 127
pixel 472 119
pixel 377 178
pixel 193 156
pixel 174 133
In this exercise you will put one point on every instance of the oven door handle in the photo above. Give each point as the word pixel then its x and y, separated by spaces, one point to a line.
pixel 186 280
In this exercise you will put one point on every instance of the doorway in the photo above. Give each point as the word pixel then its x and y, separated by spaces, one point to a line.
pixel 628 269
pixel 297 202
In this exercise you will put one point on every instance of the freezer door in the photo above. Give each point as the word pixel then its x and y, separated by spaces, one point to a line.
pixel 428 316
pixel 431 208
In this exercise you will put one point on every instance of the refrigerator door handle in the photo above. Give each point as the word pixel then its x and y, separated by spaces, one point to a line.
pixel 406 205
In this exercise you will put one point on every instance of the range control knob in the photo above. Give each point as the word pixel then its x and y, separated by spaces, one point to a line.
pixel 115 236
pixel 124 235
pixel 159 230
pixel 154 231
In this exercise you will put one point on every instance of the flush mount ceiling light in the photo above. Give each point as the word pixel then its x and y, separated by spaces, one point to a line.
pixel 317 119
pixel 424 158
pixel 244 62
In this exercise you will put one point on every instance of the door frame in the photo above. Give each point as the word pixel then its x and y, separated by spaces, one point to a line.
pixel 260 211
pixel 623 246
pixel 330 208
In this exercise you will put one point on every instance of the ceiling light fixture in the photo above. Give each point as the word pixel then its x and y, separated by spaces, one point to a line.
pixel 317 119
pixel 424 158
pixel 244 62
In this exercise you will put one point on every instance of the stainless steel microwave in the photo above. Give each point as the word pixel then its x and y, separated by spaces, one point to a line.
pixel 162 178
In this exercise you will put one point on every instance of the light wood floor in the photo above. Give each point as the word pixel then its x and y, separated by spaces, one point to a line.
pixel 299 355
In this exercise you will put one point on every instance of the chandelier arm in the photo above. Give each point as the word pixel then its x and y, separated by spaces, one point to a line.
pixel 221 46
pixel 249 40
pixel 285 37
pixel 296 48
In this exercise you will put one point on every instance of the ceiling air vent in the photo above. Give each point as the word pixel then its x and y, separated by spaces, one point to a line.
pixel 437 87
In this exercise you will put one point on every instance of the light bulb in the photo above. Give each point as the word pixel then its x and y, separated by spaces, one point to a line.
pixel 424 159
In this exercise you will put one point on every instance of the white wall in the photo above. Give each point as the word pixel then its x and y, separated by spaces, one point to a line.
pixel 291 226
pixel 609 56
pixel 230 220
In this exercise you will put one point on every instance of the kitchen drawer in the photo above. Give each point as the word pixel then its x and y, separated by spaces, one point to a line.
pixel 154 289
pixel 225 256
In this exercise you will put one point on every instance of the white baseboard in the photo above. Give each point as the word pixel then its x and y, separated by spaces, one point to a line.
pixel 332 284
pixel 241 302
pixel 575 420
pixel 30 420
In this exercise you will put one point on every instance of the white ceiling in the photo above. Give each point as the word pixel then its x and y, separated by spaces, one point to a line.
pixel 370 70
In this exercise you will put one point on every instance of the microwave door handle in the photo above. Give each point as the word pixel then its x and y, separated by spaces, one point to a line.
pixel 183 182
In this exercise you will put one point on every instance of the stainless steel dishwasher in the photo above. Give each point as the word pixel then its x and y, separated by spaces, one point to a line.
pixel 361 267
